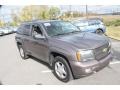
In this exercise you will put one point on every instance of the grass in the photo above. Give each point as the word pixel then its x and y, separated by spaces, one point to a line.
pixel 113 32
pixel 113 29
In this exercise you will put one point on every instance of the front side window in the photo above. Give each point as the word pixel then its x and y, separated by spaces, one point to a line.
pixel 59 28
pixel 36 30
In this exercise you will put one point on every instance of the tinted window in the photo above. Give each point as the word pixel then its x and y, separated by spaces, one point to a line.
pixel 24 29
pixel 20 30
pixel 93 22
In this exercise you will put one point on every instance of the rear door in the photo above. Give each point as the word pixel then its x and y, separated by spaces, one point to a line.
pixel 26 31
pixel 93 26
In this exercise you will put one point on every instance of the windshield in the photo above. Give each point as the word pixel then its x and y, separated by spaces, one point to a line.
pixel 60 28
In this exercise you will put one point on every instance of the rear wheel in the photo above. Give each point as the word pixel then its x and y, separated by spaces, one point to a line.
pixel 22 52
pixel 61 69
pixel 99 31
pixel 1 34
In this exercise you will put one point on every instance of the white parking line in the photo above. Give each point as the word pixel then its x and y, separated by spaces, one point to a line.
pixel 46 71
pixel 116 62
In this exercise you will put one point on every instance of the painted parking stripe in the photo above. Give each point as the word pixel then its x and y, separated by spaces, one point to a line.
pixel 116 62
pixel 46 71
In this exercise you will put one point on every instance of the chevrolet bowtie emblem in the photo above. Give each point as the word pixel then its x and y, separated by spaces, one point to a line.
pixel 104 50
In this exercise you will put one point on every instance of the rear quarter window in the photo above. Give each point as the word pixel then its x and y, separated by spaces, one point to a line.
pixel 94 22
pixel 20 30
pixel 24 30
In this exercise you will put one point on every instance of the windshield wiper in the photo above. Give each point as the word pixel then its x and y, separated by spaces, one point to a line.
pixel 74 31
pixel 60 34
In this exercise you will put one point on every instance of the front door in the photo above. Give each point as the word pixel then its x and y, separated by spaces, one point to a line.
pixel 39 43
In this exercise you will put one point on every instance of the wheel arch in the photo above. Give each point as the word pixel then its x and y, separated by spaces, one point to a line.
pixel 19 43
pixel 100 29
pixel 61 55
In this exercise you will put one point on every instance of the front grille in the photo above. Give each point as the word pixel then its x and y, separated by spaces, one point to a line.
pixel 102 51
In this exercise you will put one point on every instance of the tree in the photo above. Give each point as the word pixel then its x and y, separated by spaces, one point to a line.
pixel 43 12
pixel 34 12
pixel 26 14
pixel 54 12
pixel 15 19
pixel 2 23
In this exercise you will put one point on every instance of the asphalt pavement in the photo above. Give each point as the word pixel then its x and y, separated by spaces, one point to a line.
pixel 15 71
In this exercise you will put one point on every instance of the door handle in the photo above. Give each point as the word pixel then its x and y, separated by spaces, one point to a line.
pixel 35 42
pixel 26 39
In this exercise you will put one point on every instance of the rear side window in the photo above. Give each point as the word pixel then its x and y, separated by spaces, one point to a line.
pixel 81 23
pixel 93 22
pixel 20 30
pixel 24 30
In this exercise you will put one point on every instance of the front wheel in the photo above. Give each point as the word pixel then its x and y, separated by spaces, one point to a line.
pixel 61 69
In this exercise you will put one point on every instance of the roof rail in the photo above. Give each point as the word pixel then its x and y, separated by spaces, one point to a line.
pixel 31 20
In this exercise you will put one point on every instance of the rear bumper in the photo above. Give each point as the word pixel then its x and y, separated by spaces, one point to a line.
pixel 80 69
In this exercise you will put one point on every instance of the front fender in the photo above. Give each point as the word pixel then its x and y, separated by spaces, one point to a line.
pixel 69 54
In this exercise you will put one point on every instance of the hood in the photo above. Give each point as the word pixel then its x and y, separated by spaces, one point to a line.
pixel 84 40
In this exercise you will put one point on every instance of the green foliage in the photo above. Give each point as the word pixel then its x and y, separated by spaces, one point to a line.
pixel 54 12
pixel 113 23
pixel 2 23
pixel 15 20
pixel 34 12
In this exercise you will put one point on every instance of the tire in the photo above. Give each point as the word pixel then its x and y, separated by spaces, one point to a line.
pixel 61 69
pixel 22 52
pixel 1 34
pixel 99 31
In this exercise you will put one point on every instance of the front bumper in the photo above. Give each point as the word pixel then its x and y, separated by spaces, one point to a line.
pixel 80 69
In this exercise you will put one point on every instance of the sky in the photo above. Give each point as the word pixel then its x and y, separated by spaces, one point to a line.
pixel 5 11
pixel 100 9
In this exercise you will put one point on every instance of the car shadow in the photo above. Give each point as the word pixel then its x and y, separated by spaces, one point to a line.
pixel 40 61
pixel 116 54
pixel 1 83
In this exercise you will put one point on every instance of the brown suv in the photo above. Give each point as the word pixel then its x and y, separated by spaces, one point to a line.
pixel 69 52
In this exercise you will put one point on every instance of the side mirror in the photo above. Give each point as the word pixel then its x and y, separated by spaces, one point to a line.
pixel 39 36
pixel 79 28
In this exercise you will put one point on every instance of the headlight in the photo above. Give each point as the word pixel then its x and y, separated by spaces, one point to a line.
pixel 85 55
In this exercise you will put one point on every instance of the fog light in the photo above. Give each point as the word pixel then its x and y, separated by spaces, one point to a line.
pixel 88 70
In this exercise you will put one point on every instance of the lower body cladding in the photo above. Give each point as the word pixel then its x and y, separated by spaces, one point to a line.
pixel 80 69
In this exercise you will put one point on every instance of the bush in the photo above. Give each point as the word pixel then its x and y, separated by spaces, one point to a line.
pixel 113 23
